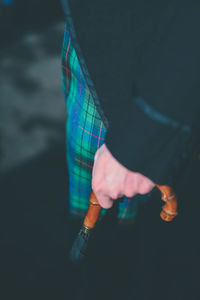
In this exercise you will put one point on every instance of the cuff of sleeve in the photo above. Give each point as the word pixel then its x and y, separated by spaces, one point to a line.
pixel 147 146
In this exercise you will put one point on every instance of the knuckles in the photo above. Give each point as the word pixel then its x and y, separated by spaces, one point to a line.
pixel 129 194
pixel 113 195
pixel 100 188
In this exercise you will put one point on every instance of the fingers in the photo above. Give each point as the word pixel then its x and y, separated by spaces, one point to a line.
pixel 104 194
pixel 145 188
pixel 136 183
pixel 131 185
pixel 104 200
pixel 111 180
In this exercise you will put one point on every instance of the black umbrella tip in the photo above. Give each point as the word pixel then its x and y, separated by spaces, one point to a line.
pixel 79 248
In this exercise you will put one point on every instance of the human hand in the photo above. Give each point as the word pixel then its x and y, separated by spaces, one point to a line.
pixel 111 180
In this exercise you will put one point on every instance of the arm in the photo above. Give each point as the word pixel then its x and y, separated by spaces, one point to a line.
pixel 156 137
pixel 144 152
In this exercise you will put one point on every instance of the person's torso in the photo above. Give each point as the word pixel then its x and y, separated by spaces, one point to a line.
pixel 141 47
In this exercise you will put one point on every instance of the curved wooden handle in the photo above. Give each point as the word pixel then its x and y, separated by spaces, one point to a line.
pixel 168 213
pixel 169 210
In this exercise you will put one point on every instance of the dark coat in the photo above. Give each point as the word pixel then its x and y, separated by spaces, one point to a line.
pixel 144 64
pixel 141 61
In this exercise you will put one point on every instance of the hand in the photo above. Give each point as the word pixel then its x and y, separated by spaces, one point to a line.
pixel 111 180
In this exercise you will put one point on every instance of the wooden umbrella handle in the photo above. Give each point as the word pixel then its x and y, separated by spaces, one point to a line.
pixel 92 213
pixel 168 213
pixel 169 210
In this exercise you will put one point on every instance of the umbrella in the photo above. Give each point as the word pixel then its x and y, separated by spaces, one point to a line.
pixel 79 248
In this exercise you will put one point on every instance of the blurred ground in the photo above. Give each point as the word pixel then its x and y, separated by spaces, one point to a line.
pixel 34 230
pixel 32 109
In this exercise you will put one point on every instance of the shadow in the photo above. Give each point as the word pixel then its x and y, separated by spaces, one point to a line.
pixel 35 228
pixel 43 122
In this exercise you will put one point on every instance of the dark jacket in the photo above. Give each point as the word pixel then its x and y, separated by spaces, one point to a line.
pixel 141 60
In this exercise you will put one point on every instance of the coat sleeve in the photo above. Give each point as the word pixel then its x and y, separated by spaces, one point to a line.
pixel 148 142
pixel 157 130
pixel 151 135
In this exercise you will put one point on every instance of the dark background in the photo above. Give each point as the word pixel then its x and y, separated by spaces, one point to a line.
pixel 34 228
pixel 18 17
